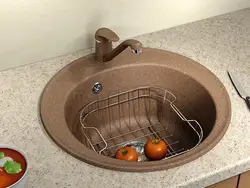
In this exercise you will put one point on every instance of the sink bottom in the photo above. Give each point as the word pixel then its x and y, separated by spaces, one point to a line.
pixel 141 114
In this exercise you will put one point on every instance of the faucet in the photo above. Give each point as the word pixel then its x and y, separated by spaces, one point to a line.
pixel 104 51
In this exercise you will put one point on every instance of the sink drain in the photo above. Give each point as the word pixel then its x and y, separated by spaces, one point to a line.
pixel 97 88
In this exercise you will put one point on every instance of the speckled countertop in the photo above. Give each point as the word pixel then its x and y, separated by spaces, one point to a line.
pixel 220 43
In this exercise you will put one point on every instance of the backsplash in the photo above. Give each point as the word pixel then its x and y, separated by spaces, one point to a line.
pixel 35 30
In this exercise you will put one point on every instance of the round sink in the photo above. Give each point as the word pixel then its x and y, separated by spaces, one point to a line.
pixel 91 109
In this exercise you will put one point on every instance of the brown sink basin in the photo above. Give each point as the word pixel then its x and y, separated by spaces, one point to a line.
pixel 156 94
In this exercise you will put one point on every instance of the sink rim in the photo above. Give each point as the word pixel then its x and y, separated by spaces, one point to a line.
pixel 213 138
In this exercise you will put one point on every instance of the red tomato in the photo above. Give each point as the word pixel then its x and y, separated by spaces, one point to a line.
pixel 5 179
pixel 155 149
pixel 127 153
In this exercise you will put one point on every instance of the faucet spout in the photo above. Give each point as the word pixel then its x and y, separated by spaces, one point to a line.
pixel 103 48
pixel 135 46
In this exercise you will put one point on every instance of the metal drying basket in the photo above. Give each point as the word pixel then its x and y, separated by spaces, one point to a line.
pixel 139 114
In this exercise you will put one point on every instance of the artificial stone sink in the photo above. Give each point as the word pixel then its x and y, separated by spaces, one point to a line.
pixel 156 94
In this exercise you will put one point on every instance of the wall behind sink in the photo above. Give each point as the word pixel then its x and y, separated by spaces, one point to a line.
pixel 33 30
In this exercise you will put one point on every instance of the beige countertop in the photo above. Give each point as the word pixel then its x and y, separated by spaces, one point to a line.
pixel 221 43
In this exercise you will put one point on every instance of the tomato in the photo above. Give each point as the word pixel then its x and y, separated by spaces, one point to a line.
pixel 127 153
pixel 155 149
pixel 5 179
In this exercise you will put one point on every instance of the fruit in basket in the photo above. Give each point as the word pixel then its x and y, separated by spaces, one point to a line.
pixel 155 149
pixel 126 153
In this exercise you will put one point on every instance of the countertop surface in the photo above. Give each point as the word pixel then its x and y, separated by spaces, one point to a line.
pixel 221 43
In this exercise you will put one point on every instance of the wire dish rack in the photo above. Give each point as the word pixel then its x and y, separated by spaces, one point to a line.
pixel 138 115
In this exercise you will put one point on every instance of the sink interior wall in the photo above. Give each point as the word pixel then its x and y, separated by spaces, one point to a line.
pixel 193 100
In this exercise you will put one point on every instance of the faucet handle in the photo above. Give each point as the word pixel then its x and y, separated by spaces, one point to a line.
pixel 105 34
